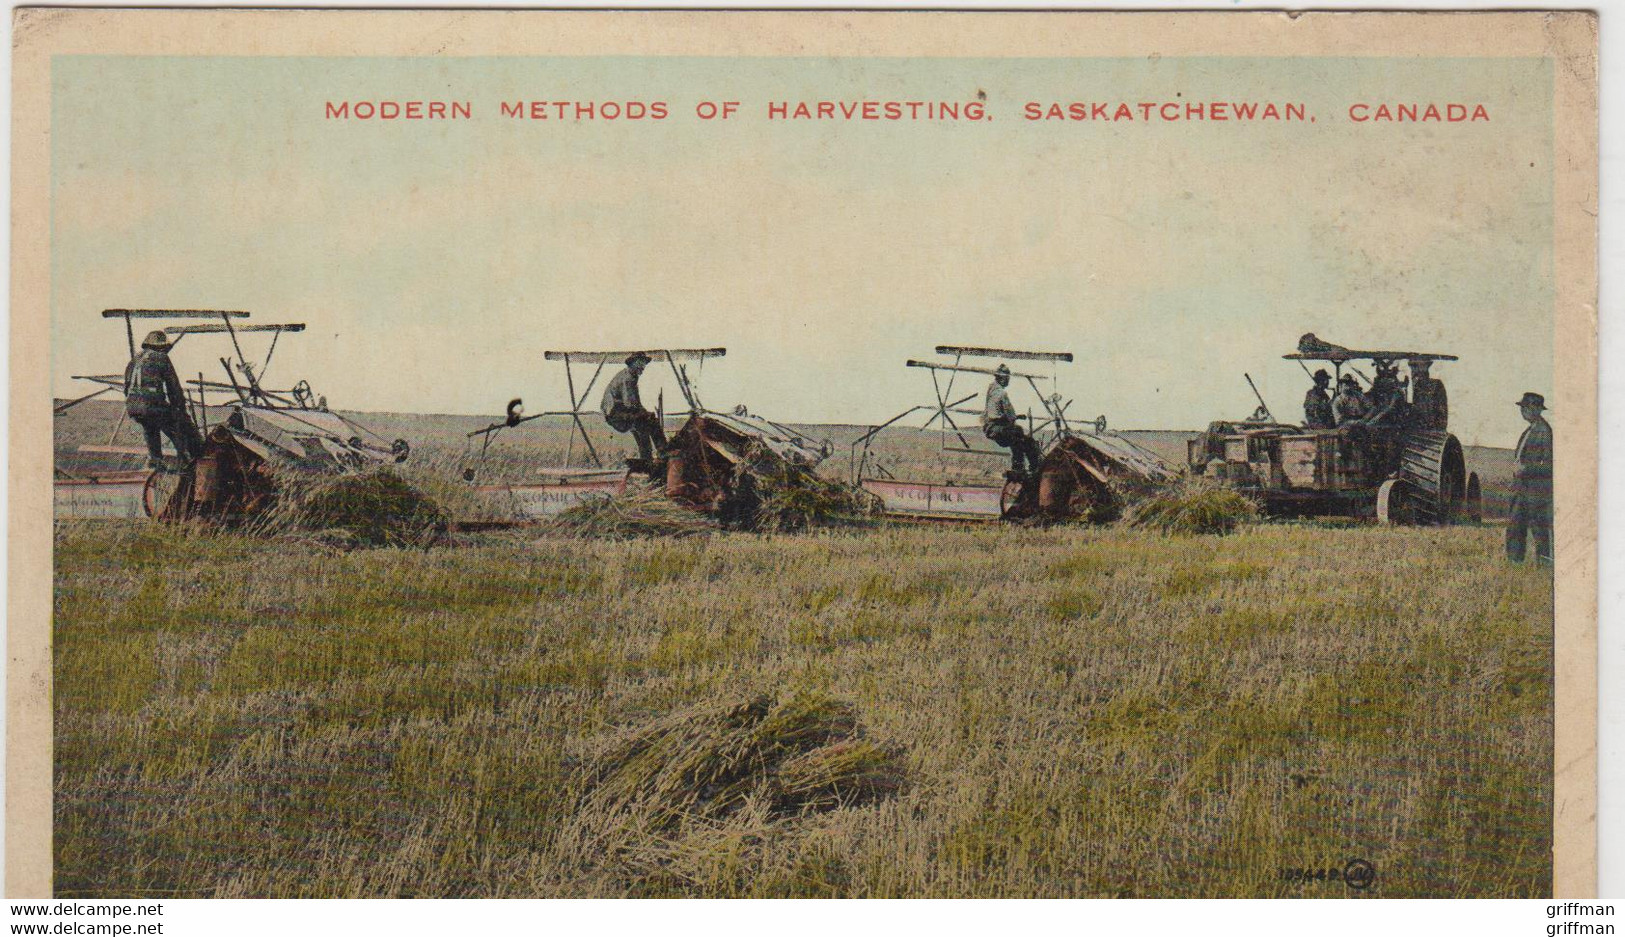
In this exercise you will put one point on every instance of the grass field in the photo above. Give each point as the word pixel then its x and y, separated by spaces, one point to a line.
pixel 1074 712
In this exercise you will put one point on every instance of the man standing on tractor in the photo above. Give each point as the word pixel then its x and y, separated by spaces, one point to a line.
pixel 153 398
pixel 1430 408
pixel 1317 404
pixel 999 423
pixel 624 412
pixel 1351 405
pixel 1387 394
pixel 1532 485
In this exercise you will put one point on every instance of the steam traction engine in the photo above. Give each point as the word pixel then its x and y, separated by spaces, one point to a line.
pixel 1404 469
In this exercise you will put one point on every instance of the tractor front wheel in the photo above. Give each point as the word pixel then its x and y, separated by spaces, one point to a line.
pixel 1396 503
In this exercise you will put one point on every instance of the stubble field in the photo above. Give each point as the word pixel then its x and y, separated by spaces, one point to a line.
pixel 1068 712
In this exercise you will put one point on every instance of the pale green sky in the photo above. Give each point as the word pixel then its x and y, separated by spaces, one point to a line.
pixel 435 261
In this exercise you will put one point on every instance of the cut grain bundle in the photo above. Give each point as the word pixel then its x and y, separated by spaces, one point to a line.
pixel 370 509
pixel 1193 507
pixel 792 498
pixel 847 772
pixel 804 754
pixel 632 514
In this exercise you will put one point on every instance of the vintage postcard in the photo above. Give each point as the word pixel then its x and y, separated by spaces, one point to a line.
pixel 746 454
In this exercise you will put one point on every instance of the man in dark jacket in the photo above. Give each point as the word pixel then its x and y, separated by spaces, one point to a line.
pixel 999 423
pixel 1317 403
pixel 153 398
pixel 624 411
pixel 1387 395
pixel 1430 406
pixel 1350 405
pixel 1532 485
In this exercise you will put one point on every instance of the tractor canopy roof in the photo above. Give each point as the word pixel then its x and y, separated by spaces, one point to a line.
pixel 1311 348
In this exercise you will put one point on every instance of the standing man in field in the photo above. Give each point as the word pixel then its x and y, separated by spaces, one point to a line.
pixel 1532 485
pixel 999 423
pixel 153 398
pixel 624 411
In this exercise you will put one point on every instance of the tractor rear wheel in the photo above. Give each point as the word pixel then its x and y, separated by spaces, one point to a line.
pixel 1433 466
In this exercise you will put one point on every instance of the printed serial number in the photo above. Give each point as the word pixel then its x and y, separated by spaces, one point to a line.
pixel 1356 873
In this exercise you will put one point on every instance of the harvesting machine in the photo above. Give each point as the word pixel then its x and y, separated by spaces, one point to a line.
pixel 1404 467
pixel 1084 470
pixel 261 432
pixel 702 466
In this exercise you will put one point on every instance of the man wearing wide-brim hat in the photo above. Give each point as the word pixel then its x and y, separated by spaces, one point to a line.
pixel 1532 485
pixel 153 398
pixel 1000 424
pixel 1351 404
pixel 624 410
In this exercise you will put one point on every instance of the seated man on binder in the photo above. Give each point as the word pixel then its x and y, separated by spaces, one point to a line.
pixel 999 423
pixel 624 411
